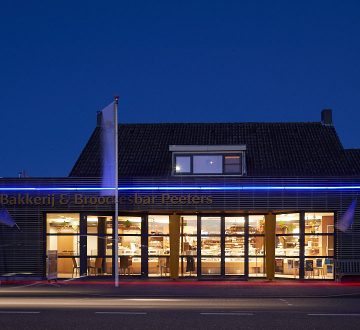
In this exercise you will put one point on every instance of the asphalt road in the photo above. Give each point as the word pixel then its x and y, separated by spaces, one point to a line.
pixel 106 312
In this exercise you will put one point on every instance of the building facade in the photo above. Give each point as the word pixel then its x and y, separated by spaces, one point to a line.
pixel 206 201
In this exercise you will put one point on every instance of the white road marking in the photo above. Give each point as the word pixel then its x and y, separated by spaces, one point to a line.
pixel 227 313
pixel 18 312
pixel 123 313
pixel 330 314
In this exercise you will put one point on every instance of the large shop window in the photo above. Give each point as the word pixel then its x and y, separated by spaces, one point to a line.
pixel 256 246
pixel 62 236
pixel 235 245
pixel 159 246
pixel 210 245
pixel 319 245
pixel 287 245
pixel 188 245
pixel 99 245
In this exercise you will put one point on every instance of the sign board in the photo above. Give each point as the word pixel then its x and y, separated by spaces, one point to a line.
pixel 52 265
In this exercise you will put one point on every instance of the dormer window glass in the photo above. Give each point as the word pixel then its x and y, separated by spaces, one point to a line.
pixel 182 164
pixel 232 164
pixel 207 164
pixel 208 160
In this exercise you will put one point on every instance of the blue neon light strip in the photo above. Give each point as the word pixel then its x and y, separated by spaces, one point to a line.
pixel 159 188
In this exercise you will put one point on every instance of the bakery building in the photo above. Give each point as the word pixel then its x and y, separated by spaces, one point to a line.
pixel 196 200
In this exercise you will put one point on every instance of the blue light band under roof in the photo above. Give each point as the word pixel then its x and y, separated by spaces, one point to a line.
pixel 167 188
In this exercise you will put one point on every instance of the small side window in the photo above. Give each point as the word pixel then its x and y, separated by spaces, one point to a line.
pixel 232 164
pixel 182 164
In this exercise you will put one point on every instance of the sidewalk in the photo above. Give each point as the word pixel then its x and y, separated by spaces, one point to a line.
pixel 187 288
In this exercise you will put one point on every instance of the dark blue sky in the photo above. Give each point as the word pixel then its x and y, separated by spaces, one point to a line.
pixel 170 61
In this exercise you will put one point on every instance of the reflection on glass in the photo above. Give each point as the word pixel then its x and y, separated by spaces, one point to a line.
pixel 256 224
pixel 288 223
pixel 210 246
pixel 189 224
pixel 159 245
pixel 319 223
pixel 256 245
pixel 210 225
pixel 129 225
pixel 158 224
pixel 210 266
pixel 62 223
pixel 234 246
pixel 234 225
pixel 287 267
pixel 287 246
pixel 234 266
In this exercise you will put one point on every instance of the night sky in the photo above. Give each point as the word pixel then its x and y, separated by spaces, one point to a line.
pixel 169 61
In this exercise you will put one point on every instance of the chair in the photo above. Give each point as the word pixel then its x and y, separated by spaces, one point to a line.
pixel 125 264
pixel 164 265
pixel 76 268
pixel 97 266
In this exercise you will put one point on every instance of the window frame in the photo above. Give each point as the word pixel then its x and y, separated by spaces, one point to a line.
pixel 223 155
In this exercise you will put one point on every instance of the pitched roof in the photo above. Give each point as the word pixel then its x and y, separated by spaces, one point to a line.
pixel 273 149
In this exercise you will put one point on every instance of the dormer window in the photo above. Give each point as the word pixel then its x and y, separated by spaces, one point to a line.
pixel 208 160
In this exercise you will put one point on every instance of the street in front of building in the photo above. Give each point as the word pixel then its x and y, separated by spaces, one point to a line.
pixel 180 305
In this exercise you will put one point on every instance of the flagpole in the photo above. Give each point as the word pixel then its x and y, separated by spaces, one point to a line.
pixel 116 229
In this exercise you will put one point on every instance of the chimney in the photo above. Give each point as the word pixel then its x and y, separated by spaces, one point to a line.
pixel 98 118
pixel 326 117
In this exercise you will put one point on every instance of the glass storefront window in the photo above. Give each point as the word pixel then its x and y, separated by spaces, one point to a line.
pixel 189 225
pixel 256 224
pixel 158 224
pixel 129 245
pixel 234 266
pixel 319 268
pixel 256 245
pixel 210 225
pixel 187 266
pixel 210 246
pixel 92 245
pixel 129 265
pixel 257 267
pixel 210 266
pixel 65 245
pixel 129 225
pixel 159 245
pixel 319 245
pixel 62 223
pixel 159 266
pixel 188 245
pixel 288 223
pixel 234 246
pixel 287 245
pixel 287 267
pixel 234 225
pixel 319 223
pixel 99 266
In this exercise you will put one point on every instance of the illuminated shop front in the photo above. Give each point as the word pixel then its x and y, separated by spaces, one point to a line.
pixel 209 245
pixel 201 200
